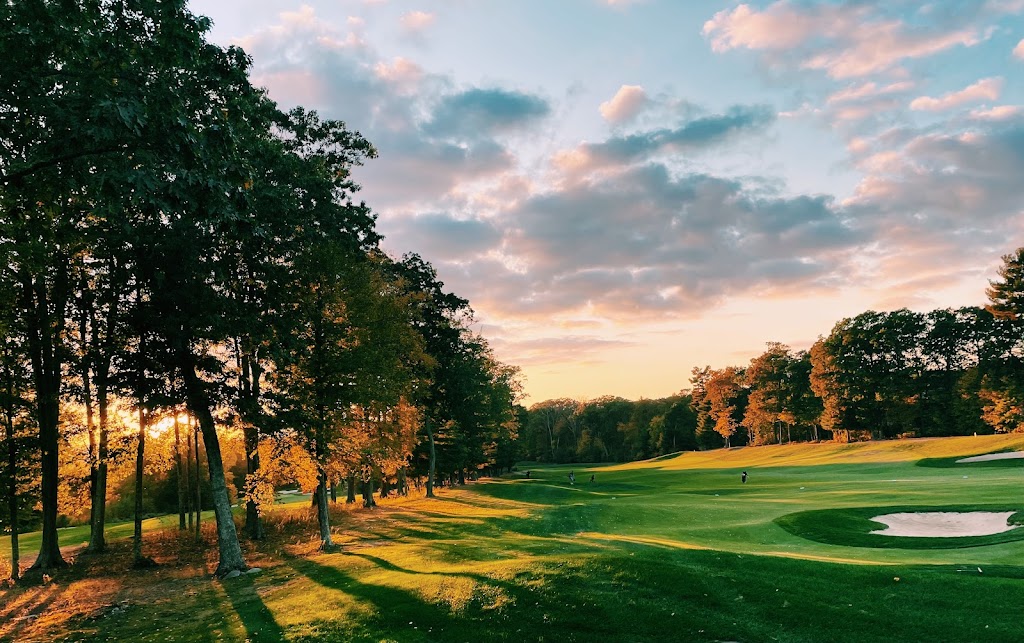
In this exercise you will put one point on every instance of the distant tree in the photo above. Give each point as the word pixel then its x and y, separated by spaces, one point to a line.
pixel 675 430
pixel 768 407
pixel 1006 294
pixel 707 437
pixel 726 399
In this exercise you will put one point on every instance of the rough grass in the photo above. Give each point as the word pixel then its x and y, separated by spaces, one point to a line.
pixel 672 550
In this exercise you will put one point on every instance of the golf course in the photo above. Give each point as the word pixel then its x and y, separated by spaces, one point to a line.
pixel 672 549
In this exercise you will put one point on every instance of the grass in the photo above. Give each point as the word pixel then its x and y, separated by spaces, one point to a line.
pixel 667 550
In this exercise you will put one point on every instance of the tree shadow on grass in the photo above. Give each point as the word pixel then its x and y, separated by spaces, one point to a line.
pixel 396 606
pixel 257 619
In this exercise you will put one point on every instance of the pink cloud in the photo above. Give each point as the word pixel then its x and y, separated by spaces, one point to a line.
pixel 842 41
pixel 868 90
pixel 416 21
pixel 997 113
pixel 626 103
pixel 1018 51
pixel 403 73
pixel 877 46
pixel 984 89
pixel 780 26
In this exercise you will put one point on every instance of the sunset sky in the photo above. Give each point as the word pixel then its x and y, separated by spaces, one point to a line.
pixel 625 189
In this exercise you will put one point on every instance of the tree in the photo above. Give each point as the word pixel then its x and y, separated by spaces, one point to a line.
pixel 726 399
pixel 1006 294
pixel 767 377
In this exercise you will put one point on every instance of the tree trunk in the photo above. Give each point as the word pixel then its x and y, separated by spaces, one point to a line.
pixel 334 493
pixel 368 493
pixel 189 493
pixel 249 378
pixel 87 402
pixel 49 550
pixel 322 515
pixel 179 468
pixel 140 455
pixel 198 483
pixel 229 549
pixel 253 523
pixel 12 468
pixel 45 321
pixel 350 490
pixel 433 462
pixel 97 535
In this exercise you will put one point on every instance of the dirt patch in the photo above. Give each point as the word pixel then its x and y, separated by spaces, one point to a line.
pixel 944 524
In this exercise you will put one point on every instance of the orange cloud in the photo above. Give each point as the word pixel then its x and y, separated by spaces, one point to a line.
pixel 626 103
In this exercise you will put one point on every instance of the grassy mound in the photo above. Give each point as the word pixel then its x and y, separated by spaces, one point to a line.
pixel 852 527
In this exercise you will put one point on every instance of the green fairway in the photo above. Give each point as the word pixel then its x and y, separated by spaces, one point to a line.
pixel 677 549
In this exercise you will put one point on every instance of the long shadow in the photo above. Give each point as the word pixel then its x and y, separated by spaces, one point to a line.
pixel 388 565
pixel 258 620
pixel 400 605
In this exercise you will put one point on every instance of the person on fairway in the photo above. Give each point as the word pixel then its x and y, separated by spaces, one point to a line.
pixel 743 477
pixel 572 477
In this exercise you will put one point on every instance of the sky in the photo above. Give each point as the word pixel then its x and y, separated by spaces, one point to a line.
pixel 626 189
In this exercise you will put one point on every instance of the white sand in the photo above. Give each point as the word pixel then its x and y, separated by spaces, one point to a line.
pixel 1010 455
pixel 945 524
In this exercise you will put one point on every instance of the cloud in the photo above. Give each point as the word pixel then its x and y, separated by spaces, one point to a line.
pixel 698 133
pixel 961 187
pixel 641 243
pixel 844 41
pixel 626 104
pixel 1018 51
pixel 781 26
pixel 558 350
pixel 868 90
pixel 480 111
pixel 442 236
pixel 416 21
pixel 984 89
pixel 997 113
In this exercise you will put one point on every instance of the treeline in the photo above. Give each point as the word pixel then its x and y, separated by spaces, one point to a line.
pixel 878 375
pixel 185 264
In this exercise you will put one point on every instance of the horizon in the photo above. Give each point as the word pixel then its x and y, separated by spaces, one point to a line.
pixel 624 190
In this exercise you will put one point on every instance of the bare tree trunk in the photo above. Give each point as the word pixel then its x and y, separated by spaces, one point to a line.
pixel 334 493
pixel 140 455
pixel 189 492
pixel 180 470
pixel 229 549
pixel 368 493
pixel 433 462
pixel 198 482
pixel 45 322
pixel 97 536
pixel 322 514
pixel 350 489
pixel 12 469
pixel 253 523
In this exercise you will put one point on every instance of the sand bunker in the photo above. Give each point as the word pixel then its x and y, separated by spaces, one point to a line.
pixel 1011 455
pixel 945 524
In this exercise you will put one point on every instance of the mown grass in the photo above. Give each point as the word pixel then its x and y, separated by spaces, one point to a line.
pixel 853 527
pixel 674 550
